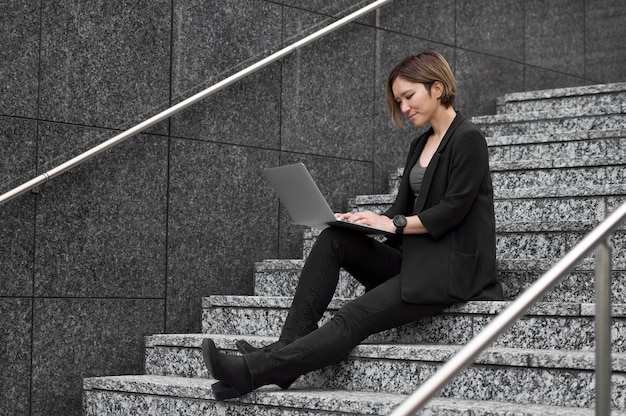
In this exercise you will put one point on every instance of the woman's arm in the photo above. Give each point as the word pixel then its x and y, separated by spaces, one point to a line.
pixel 413 223
pixel 465 171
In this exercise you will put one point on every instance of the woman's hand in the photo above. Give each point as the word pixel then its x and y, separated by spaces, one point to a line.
pixel 369 218
pixel 413 223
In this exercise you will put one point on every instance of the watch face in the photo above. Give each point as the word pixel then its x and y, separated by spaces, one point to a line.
pixel 399 220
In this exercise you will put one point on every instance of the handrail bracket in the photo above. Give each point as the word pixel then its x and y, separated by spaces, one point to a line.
pixel 37 189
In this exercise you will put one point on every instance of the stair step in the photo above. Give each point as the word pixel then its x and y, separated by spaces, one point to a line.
pixel 528 214
pixel 563 100
pixel 539 183
pixel 186 350
pixel 512 153
pixel 560 182
pixel 548 325
pixel 160 396
pixel 569 150
pixel 180 355
pixel 552 123
pixel 368 366
pixel 280 278
pixel 531 249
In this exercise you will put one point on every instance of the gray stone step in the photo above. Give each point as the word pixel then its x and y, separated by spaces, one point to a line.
pixel 494 142
pixel 589 148
pixel 543 182
pixel 368 366
pixel 280 277
pixel 549 325
pixel 527 249
pixel 560 182
pixel 536 214
pixel 563 100
pixel 161 396
pixel 589 153
pixel 576 120
pixel 533 213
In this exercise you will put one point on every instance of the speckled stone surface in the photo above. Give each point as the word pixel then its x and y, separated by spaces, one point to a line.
pixel 506 126
pixel 479 74
pixel 190 396
pixel 609 151
pixel 589 97
pixel 18 140
pixel 218 246
pixel 563 182
pixel 280 278
pixel 547 325
pixel 495 28
pixel 275 278
pixel 244 113
pixel 101 226
pixel 15 354
pixel 551 40
pixel 125 396
pixel 101 67
pixel 578 286
pixel 525 251
pixel 18 144
pixel 76 338
pixel 567 114
pixel 369 365
pixel 19 25
pixel 307 125
pixel 604 37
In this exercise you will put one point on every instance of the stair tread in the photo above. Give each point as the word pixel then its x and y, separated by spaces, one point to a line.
pixel 499 356
pixel 356 402
pixel 573 309
pixel 565 92
pixel 548 115
pixel 546 138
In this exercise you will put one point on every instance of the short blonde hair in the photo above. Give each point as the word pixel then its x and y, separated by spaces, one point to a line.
pixel 425 68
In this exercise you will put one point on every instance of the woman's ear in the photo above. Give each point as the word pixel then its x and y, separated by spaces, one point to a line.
pixel 437 89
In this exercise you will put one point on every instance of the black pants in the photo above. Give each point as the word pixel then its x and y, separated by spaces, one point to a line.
pixel 377 267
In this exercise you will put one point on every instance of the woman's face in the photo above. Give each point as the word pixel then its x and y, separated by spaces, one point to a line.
pixel 414 101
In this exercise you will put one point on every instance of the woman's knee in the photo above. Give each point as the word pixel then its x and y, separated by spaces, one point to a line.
pixel 331 238
pixel 353 321
pixel 334 234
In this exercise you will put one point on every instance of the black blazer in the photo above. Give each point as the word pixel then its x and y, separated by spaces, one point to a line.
pixel 455 262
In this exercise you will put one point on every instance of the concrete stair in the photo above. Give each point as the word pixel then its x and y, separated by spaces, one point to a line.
pixel 557 159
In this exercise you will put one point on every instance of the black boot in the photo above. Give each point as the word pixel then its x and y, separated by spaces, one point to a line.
pixel 232 372
pixel 245 348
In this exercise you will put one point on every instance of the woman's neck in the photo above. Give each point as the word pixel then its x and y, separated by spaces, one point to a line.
pixel 441 121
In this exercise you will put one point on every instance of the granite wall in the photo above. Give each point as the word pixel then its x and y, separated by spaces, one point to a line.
pixel 127 244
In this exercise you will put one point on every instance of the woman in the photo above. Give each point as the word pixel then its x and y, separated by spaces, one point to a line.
pixel 442 253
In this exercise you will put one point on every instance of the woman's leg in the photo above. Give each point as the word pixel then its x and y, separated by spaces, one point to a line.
pixel 379 309
pixel 370 261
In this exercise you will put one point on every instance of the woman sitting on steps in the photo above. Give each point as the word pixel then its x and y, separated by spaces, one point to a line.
pixel 442 253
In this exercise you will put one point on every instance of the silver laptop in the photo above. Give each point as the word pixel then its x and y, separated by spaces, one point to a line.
pixel 304 201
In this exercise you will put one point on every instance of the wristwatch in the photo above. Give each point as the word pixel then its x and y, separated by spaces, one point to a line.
pixel 400 222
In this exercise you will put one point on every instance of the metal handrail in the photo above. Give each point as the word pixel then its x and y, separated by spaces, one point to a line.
pixel 45 177
pixel 596 238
